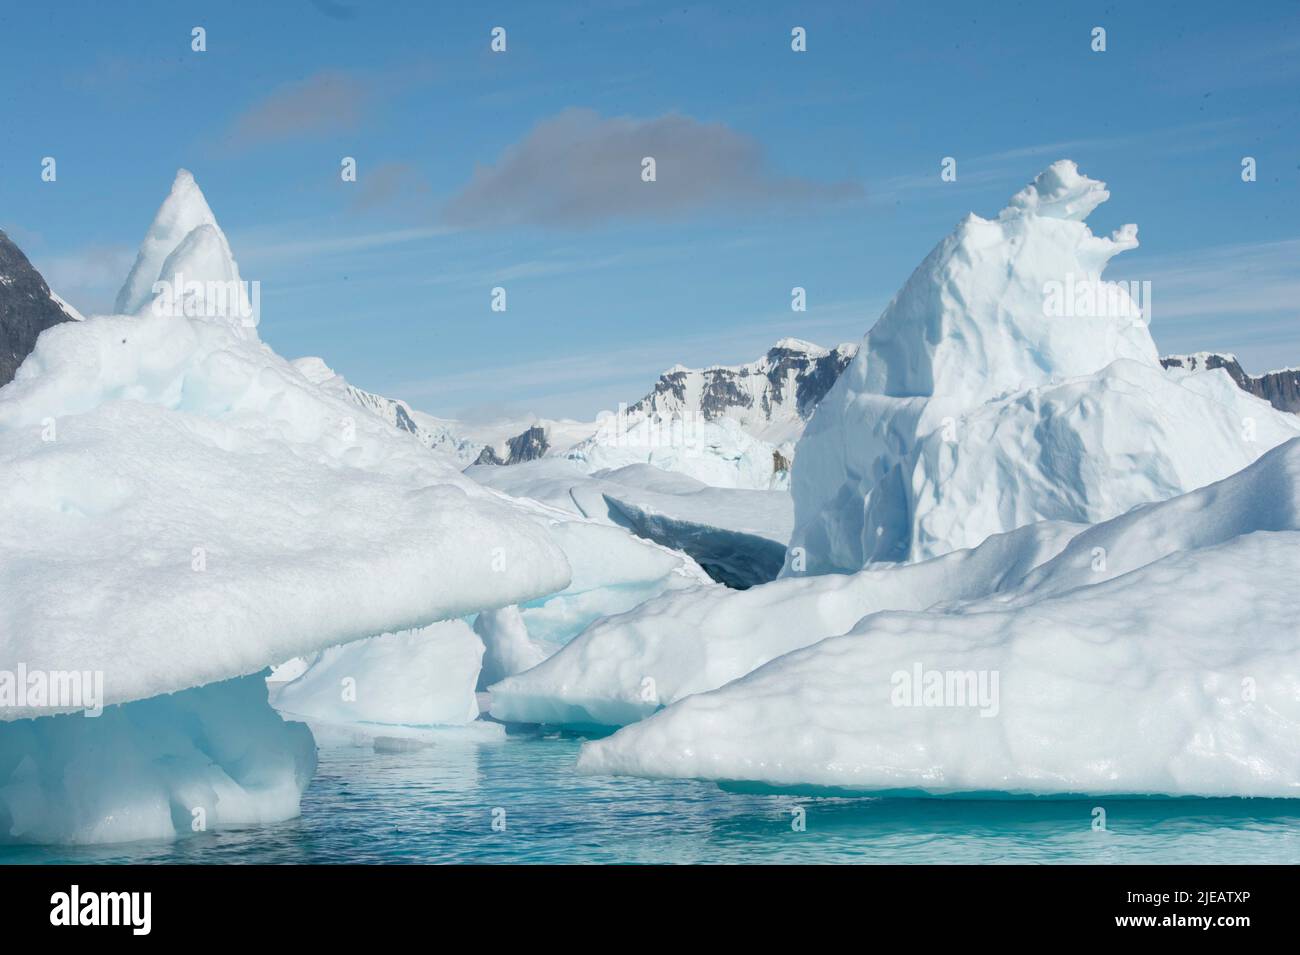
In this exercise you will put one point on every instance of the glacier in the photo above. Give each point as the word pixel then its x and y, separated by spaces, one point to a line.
pixel 971 410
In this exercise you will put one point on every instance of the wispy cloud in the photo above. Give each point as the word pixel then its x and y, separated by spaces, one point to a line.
pixel 1006 165
pixel 629 369
pixel 285 246
pixel 1243 298
pixel 580 169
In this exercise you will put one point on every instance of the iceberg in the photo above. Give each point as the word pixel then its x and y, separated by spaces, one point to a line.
pixel 624 668
pixel 424 677
pixel 197 760
pixel 981 401
pixel 1156 654
pixel 182 508
pixel 611 572
pixel 185 245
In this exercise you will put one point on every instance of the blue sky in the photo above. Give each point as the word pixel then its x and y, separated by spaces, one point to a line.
pixel 479 169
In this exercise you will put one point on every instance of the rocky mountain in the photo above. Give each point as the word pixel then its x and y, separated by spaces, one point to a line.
pixel 27 308
pixel 1281 388
pixel 527 446
pixel 771 398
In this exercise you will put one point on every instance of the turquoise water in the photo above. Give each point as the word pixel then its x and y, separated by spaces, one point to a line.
pixel 436 805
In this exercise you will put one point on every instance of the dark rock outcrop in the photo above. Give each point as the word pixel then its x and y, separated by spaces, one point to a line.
pixel 27 308
pixel 528 446
pixel 1281 389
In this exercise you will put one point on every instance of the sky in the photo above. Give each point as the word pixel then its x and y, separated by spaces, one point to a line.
pixel 522 170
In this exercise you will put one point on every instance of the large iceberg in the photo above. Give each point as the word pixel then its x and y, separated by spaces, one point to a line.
pixel 623 668
pixel 1156 654
pixel 182 508
pixel 199 511
pixel 1007 383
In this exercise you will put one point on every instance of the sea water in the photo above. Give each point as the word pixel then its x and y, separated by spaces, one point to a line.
pixel 517 799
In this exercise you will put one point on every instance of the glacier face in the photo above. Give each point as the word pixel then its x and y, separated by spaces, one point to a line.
pixel 1155 655
pixel 971 409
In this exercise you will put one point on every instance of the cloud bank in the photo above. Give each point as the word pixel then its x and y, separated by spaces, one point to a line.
pixel 580 169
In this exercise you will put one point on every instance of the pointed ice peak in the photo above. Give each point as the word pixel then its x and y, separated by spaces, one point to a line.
pixel 1059 192
pixel 182 211
pixel 984 314
pixel 186 250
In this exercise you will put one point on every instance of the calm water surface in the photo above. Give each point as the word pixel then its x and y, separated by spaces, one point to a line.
pixel 437 805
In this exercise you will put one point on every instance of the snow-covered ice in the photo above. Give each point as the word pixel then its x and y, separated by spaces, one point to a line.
pixel 1156 654
pixel 184 244
pixel 203 512
pixel 738 535
pixel 625 667
pixel 424 677
pixel 719 453
pixel 182 507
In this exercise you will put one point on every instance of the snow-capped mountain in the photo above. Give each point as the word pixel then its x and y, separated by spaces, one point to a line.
pixel 27 308
pixel 771 398
pixel 526 446
pixel 738 423
pixel 1279 388
pixel 733 425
